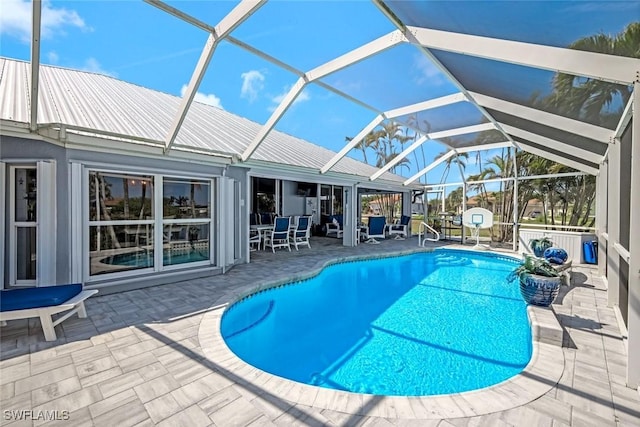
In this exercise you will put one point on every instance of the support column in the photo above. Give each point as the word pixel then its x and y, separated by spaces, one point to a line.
pixel 349 213
pixel 515 202
pixel 3 188
pixel 464 209
pixel 602 188
pixel 633 324
pixel 613 226
pixel 407 207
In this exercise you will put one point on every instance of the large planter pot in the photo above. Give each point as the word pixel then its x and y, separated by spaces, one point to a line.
pixel 539 290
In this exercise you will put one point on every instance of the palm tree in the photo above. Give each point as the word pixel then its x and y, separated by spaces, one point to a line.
pixel 586 98
pixel 423 127
pixel 453 159
pixel 369 141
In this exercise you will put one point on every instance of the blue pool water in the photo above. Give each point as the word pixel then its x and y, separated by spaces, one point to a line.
pixel 429 323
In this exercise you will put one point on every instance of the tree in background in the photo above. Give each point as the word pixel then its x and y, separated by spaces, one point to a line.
pixel 590 99
pixel 387 141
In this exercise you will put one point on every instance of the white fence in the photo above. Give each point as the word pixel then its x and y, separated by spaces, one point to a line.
pixel 570 241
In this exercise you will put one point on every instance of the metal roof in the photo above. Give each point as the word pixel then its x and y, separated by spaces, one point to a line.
pixel 483 92
pixel 105 104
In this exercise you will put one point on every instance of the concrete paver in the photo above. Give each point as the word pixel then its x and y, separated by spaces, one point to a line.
pixel 137 360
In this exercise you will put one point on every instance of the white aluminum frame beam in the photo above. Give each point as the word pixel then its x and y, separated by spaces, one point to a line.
pixel 577 127
pixel 462 131
pixel 430 167
pixel 359 54
pixel 412 39
pixel 418 142
pixel 633 317
pixel 297 72
pixel 36 13
pixel 397 112
pixel 627 114
pixel 351 144
pixel 610 68
pixel 426 105
pixel 485 147
pixel 431 136
pixel 558 159
pixel 232 20
pixel 554 144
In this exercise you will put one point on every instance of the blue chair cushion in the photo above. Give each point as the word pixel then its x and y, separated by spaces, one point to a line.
pixel 337 218
pixel 47 296
pixel 556 255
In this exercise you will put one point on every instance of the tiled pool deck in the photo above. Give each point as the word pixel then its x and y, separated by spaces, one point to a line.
pixel 148 357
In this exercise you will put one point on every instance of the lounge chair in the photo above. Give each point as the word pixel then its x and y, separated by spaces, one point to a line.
pixel 279 236
pixel 44 302
pixel 300 234
pixel 401 229
pixel 375 229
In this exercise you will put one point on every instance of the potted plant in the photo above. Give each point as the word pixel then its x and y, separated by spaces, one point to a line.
pixel 538 246
pixel 539 281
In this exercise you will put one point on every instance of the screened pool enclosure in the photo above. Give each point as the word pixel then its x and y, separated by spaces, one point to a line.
pixel 524 108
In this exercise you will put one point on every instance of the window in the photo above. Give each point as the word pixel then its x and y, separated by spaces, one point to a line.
pixel 186 206
pixel 24 225
pixel 331 199
pixel 123 222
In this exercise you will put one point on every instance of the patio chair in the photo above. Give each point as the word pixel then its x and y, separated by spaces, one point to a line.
pixel 334 227
pixel 279 236
pixel 301 233
pixel 44 302
pixel 255 238
pixel 254 219
pixel 375 229
pixel 401 229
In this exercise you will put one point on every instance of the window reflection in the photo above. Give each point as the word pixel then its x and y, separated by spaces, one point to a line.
pixel 184 243
pixel 186 198
pixel 120 197
pixel 26 253
pixel 120 248
pixel 26 195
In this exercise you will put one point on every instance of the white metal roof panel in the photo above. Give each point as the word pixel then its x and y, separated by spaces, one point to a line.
pixel 103 103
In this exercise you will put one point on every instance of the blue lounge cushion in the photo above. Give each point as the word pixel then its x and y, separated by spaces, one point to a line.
pixel 556 255
pixel 46 296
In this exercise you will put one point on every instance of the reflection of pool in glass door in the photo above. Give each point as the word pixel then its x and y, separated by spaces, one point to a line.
pixel 23 225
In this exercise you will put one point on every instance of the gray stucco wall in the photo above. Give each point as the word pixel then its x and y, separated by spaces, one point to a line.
pixel 14 150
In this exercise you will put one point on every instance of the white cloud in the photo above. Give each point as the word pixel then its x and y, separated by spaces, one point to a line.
pixel 427 72
pixel 93 66
pixel 15 19
pixel 209 99
pixel 53 57
pixel 277 99
pixel 252 84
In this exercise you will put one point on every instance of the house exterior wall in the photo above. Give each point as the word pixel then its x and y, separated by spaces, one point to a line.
pixel 22 151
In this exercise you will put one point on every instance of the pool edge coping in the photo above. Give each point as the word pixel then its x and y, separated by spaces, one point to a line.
pixel 541 374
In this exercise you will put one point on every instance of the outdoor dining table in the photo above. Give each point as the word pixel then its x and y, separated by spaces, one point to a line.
pixel 264 230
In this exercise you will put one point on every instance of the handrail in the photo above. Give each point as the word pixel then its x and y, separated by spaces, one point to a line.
pixel 622 251
pixel 421 231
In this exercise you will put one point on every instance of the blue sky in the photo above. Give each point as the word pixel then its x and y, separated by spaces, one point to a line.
pixel 136 42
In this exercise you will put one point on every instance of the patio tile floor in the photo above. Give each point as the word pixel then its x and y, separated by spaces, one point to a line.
pixel 138 360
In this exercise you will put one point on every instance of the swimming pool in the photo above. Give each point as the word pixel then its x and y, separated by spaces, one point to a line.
pixel 416 325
